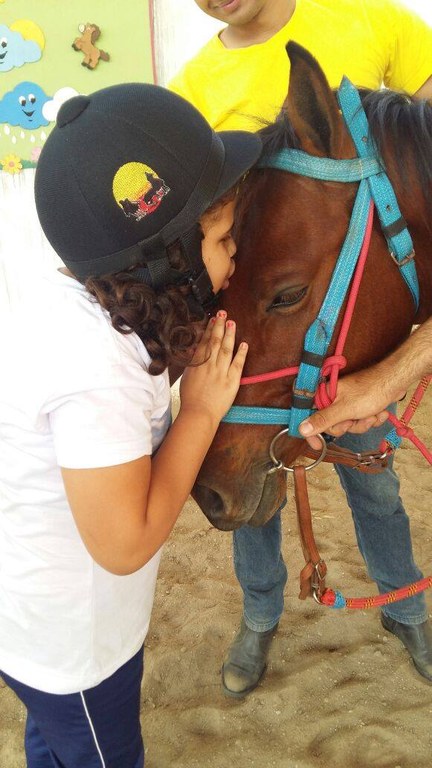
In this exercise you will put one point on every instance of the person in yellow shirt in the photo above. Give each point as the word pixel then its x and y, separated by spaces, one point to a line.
pixel 240 76
pixel 238 80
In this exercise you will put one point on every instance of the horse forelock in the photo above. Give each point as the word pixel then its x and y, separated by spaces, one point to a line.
pixel 400 125
pixel 279 135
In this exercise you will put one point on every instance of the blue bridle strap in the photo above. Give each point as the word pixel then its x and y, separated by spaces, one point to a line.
pixel 244 414
pixel 374 185
pixel 320 333
pixel 323 168
pixel 392 222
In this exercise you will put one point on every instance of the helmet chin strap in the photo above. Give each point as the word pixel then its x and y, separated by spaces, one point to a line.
pixel 198 278
pixel 158 271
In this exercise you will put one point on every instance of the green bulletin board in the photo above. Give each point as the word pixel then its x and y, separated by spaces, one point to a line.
pixel 39 67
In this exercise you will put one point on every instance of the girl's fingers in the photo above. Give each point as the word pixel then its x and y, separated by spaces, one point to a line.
pixel 217 334
pixel 217 344
pixel 226 348
pixel 239 359
pixel 226 360
pixel 205 338
pixel 202 348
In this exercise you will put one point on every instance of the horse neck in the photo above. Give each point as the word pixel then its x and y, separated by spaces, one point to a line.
pixel 414 203
pixel 424 272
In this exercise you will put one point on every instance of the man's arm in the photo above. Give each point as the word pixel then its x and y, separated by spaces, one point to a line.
pixel 425 92
pixel 363 397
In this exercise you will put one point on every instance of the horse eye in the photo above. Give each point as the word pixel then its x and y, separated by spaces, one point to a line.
pixel 288 299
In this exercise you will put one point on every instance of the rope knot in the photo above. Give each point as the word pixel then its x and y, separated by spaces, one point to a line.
pixel 326 391
pixel 334 361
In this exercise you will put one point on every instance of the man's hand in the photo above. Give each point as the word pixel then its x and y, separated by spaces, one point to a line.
pixel 362 397
pixel 360 404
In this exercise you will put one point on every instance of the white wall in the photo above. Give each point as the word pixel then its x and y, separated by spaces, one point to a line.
pixel 181 28
pixel 23 247
pixel 422 7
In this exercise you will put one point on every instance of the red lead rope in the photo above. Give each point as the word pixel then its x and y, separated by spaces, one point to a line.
pixel 334 599
pixel 401 425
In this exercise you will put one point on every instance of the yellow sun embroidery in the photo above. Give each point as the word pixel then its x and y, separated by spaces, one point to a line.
pixel 11 164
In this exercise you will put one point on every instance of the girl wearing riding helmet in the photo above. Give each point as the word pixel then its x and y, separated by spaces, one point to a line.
pixel 134 192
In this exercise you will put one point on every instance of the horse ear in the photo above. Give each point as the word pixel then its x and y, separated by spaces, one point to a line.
pixel 312 107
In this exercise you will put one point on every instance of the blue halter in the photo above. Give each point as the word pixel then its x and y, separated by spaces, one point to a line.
pixel 374 185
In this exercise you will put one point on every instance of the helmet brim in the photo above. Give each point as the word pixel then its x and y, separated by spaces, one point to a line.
pixel 242 150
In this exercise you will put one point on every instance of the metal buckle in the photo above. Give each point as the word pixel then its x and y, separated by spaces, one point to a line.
pixel 316 580
pixel 373 459
pixel 404 261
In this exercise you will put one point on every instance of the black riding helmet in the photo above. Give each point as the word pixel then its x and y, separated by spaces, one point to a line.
pixel 126 172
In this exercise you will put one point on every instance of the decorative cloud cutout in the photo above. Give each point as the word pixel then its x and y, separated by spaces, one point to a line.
pixel 15 48
pixel 23 106
pixel 51 108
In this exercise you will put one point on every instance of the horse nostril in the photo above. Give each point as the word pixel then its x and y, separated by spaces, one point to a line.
pixel 210 502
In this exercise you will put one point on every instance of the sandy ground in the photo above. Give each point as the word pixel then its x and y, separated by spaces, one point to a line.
pixel 338 692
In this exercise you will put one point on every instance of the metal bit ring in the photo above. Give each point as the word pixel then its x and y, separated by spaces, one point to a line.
pixel 278 464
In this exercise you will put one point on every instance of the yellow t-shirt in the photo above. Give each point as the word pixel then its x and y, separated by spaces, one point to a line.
pixel 373 42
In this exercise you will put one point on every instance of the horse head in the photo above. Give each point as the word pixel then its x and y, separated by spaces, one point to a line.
pixel 290 231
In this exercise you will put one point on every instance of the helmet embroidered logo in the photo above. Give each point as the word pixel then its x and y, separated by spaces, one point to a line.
pixel 138 190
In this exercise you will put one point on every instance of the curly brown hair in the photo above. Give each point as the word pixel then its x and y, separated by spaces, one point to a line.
pixel 168 324
pixel 166 319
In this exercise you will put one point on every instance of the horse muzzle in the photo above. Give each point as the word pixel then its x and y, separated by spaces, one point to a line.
pixel 254 503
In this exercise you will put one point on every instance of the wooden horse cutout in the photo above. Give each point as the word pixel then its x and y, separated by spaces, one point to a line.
pixel 86 43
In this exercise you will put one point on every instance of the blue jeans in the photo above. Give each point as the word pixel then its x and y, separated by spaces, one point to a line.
pixel 96 728
pixel 383 536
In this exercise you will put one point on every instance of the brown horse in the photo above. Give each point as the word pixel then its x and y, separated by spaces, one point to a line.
pixel 290 232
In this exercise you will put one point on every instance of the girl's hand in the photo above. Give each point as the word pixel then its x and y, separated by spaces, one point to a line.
pixel 212 381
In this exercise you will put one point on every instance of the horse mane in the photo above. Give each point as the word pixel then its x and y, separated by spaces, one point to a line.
pixel 406 123
pixel 398 123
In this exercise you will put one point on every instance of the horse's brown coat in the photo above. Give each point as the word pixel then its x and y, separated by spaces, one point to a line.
pixel 290 233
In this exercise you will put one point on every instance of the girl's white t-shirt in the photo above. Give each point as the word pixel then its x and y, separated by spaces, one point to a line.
pixel 74 393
